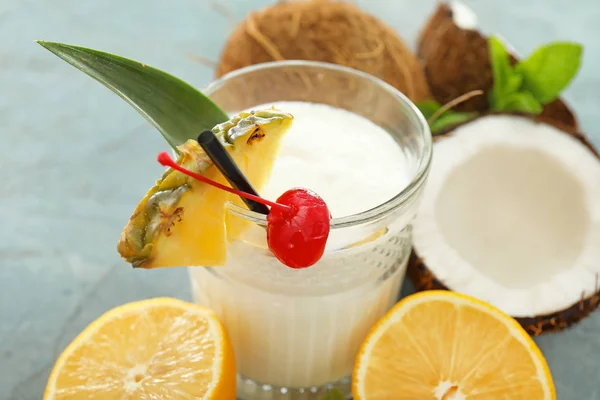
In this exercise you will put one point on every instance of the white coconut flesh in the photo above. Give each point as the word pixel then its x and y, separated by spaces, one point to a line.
pixel 463 16
pixel 511 215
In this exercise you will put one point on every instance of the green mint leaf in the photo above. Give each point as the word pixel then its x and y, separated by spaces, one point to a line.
pixel 521 102
pixel 506 81
pixel 176 109
pixel 449 119
pixel 550 69
pixel 513 83
pixel 334 394
pixel 428 108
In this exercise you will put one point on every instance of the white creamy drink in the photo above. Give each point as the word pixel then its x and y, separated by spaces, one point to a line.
pixel 353 164
pixel 297 328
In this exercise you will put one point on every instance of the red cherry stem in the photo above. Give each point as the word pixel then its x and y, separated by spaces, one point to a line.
pixel 166 160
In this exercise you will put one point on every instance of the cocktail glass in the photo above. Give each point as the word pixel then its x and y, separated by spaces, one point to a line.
pixel 296 332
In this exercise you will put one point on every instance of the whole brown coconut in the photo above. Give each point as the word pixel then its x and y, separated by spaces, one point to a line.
pixel 328 31
pixel 457 62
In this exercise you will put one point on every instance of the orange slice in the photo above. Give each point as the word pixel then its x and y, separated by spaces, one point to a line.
pixel 441 345
pixel 153 349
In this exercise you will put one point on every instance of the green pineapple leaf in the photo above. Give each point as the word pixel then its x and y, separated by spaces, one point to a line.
pixel 176 109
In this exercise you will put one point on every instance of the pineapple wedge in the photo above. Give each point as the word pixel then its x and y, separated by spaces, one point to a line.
pixel 181 221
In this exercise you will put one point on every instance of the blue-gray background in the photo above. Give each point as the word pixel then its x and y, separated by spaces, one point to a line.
pixel 76 159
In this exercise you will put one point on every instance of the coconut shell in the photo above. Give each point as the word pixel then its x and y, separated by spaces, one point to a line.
pixel 328 31
pixel 424 279
pixel 457 61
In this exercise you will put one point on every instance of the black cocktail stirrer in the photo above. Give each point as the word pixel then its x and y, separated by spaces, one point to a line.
pixel 223 161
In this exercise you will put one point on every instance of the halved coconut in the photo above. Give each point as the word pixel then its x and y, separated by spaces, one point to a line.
pixel 456 59
pixel 511 215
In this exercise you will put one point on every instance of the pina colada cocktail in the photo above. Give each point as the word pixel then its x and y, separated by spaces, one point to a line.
pixel 297 330
pixel 294 279
pixel 298 286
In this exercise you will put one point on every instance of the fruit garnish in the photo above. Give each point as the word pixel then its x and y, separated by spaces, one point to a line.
pixel 298 237
pixel 297 224
pixel 152 349
pixel 182 221
pixel 166 161
pixel 444 345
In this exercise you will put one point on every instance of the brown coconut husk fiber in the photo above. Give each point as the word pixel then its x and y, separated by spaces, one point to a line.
pixel 328 31
pixel 457 61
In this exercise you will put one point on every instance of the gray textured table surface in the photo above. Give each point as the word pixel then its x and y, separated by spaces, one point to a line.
pixel 76 160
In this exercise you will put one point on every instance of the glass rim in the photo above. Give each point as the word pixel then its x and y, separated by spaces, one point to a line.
pixel 382 209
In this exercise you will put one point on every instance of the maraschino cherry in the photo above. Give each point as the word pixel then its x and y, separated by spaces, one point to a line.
pixel 298 223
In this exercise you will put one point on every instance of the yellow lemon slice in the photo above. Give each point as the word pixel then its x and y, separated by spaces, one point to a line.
pixel 153 349
pixel 441 345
